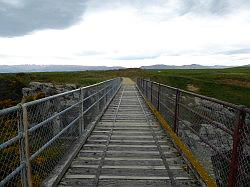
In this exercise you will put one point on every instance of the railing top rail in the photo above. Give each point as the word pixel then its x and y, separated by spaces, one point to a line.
pixel 65 93
pixel 10 109
pixel 225 103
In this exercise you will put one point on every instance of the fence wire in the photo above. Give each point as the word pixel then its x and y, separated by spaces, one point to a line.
pixel 217 132
pixel 36 136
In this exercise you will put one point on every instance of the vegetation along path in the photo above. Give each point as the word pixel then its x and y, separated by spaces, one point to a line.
pixel 128 147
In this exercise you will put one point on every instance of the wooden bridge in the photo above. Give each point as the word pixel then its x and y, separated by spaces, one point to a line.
pixel 122 133
pixel 128 147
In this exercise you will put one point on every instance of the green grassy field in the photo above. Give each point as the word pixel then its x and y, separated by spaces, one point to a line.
pixel 232 85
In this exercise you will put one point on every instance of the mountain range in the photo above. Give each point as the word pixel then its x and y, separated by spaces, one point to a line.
pixel 191 66
pixel 63 68
pixel 51 68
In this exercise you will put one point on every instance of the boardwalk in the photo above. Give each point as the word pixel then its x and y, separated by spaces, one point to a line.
pixel 107 135
pixel 128 148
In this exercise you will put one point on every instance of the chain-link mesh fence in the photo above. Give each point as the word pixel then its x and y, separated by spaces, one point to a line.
pixel 243 175
pixel 36 136
pixel 217 132
pixel 11 142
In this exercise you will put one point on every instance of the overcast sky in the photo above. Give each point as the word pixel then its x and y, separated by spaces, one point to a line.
pixel 127 33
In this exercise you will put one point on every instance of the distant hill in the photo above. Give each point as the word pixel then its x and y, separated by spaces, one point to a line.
pixel 51 68
pixel 191 66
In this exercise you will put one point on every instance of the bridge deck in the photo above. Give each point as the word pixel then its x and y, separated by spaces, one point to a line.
pixel 128 148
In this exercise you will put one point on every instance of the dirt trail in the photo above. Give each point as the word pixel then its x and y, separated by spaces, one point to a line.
pixel 127 81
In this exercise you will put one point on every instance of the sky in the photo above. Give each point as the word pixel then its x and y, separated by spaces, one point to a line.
pixel 129 33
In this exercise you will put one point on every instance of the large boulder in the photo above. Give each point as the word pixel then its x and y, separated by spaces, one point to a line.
pixel 47 88
pixel 45 109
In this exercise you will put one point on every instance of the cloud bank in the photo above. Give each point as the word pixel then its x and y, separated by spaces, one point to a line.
pixel 127 33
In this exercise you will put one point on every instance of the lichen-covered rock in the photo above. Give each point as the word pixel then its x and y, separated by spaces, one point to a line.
pixel 47 108
pixel 47 88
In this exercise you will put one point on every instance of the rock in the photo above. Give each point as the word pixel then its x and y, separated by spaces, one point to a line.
pixel 197 100
pixel 27 91
pixel 45 109
pixel 190 105
pixel 189 137
pixel 212 134
pixel 216 137
pixel 183 125
pixel 47 88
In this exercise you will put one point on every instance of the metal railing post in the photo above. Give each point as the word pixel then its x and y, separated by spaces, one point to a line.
pixel 237 138
pixel 98 97
pixel 144 86
pixel 81 123
pixel 25 124
pixel 22 148
pixel 141 84
pixel 146 89
pixel 158 97
pixel 151 91
pixel 176 110
pixel 106 96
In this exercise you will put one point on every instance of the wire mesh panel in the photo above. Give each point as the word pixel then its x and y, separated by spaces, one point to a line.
pixel 47 120
pixel 217 133
pixel 167 103
pixel 36 136
pixel 154 97
pixel 10 153
pixel 206 127
pixel 243 175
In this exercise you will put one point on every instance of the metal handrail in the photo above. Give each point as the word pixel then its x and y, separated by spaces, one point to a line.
pixel 225 103
pixel 95 99
pixel 219 119
pixel 66 93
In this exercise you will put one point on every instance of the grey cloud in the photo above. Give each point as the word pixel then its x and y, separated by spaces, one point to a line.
pixel 20 17
pixel 238 51
pixel 216 7
pixel 212 7
pixel 175 8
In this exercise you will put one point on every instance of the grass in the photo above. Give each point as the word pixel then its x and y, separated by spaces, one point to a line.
pixel 232 84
